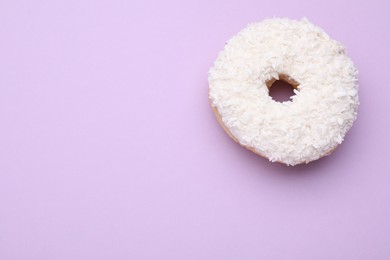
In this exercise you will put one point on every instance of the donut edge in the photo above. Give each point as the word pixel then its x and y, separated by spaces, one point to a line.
pixel 219 119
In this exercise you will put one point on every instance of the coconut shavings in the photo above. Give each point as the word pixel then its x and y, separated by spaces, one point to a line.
pixel 320 113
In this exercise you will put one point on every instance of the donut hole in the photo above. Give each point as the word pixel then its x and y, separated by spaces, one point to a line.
pixel 282 89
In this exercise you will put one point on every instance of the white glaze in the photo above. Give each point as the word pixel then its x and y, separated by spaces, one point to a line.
pixel 319 115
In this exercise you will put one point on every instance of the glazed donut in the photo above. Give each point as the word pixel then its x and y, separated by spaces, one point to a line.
pixel 309 126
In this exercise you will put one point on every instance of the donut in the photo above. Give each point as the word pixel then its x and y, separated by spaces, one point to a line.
pixel 323 108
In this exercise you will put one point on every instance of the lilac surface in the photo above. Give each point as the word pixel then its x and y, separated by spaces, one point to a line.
pixel 110 150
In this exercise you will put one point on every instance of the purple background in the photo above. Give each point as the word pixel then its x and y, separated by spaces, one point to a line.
pixel 109 148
